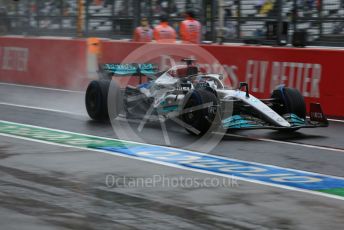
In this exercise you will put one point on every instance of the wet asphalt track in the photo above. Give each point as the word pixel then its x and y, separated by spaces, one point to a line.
pixel 50 187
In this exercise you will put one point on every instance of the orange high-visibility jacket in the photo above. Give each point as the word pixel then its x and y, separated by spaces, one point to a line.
pixel 164 33
pixel 190 31
pixel 143 34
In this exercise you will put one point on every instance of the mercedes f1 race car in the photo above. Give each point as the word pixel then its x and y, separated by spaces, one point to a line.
pixel 198 101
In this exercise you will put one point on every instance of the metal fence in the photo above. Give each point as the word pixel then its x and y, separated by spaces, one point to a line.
pixel 227 20
pixel 38 17
pixel 323 20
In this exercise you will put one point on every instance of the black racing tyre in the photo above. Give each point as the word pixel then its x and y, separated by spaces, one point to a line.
pixel 201 119
pixel 290 101
pixel 96 100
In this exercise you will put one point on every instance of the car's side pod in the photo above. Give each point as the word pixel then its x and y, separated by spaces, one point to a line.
pixel 316 114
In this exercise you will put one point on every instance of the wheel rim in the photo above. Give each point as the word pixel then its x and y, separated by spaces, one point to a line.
pixel 192 116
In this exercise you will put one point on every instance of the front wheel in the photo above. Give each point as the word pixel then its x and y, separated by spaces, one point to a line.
pixel 200 110
pixel 289 100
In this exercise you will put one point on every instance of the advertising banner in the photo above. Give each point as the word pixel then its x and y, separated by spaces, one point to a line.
pixel 317 73
pixel 63 63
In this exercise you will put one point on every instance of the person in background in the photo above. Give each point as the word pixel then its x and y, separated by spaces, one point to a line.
pixel 164 33
pixel 259 5
pixel 143 33
pixel 190 29
pixel 267 7
pixel 4 21
pixel 108 2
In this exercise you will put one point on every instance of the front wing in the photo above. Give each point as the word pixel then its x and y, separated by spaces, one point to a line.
pixel 244 122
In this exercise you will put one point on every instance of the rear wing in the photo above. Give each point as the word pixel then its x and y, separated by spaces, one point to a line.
pixel 133 69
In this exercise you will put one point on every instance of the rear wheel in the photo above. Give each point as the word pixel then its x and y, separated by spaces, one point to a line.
pixel 201 111
pixel 96 100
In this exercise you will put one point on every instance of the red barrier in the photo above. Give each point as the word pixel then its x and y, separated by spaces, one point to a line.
pixel 315 72
pixel 43 61
pixel 63 63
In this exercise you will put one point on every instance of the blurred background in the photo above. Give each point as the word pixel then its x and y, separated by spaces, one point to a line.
pixel 320 22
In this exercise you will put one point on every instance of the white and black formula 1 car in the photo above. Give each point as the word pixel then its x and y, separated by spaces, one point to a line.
pixel 200 101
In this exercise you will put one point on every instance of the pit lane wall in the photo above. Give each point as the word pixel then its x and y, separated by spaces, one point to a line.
pixel 51 62
pixel 62 63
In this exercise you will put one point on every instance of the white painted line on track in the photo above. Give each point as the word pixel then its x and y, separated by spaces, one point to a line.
pixel 174 165
pixel 135 142
pixel 230 135
pixel 334 120
pixel 286 142
pixel 40 108
pixel 260 139
pixel 82 92
pixel 40 87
